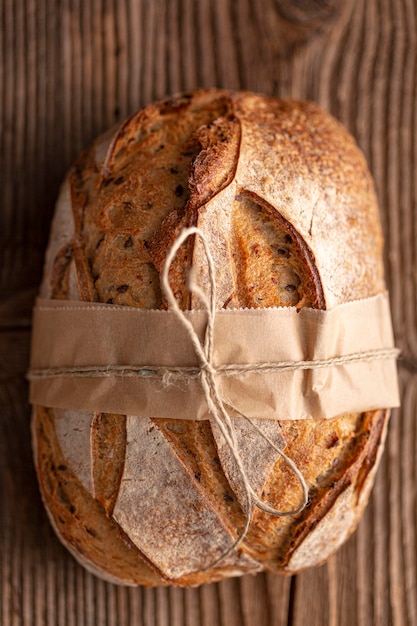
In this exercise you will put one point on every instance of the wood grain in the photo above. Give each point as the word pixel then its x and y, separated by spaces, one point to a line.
pixel 69 70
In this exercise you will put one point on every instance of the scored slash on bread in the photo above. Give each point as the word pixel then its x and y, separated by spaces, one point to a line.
pixel 284 197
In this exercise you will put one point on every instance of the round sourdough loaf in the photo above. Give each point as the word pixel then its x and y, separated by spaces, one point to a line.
pixel 148 501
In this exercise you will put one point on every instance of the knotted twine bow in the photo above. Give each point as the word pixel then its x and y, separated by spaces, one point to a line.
pixel 208 376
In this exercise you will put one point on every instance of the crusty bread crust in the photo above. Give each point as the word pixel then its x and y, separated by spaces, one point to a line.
pixel 298 226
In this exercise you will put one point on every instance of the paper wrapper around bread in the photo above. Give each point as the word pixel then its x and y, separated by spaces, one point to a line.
pixel 277 363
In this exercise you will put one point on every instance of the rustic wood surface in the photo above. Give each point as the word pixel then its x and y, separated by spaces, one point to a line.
pixel 70 69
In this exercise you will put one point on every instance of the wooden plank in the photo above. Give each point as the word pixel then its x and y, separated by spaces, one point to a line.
pixel 69 70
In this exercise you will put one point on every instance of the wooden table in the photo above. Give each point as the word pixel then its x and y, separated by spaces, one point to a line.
pixel 72 68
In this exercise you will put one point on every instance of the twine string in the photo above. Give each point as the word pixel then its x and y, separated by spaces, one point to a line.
pixel 178 372
pixel 215 403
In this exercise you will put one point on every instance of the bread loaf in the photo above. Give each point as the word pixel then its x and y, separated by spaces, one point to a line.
pixel 148 501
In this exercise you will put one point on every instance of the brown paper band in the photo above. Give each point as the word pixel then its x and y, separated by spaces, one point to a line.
pixel 270 363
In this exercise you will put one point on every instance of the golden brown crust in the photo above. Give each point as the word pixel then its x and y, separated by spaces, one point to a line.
pixel 334 454
pixel 108 450
pixel 284 196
